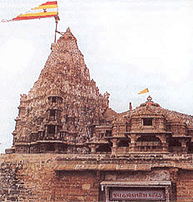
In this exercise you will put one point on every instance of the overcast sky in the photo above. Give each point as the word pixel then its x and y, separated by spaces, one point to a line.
pixel 128 45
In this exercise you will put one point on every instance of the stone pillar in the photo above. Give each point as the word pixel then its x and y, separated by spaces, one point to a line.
pixel 56 129
pixel 165 147
pixel 114 148
pixel 93 148
pixel 174 178
pixel 132 144
pixel 46 131
pixel 163 141
pixel 107 194
pixel 184 147
pixel 167 193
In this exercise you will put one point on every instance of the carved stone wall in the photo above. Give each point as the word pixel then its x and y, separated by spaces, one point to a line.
pixel 154 175
pixel 37 177
pixel 63 106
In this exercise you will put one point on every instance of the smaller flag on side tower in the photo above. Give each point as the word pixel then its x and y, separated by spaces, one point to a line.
pixel 146 90
pixel 45 10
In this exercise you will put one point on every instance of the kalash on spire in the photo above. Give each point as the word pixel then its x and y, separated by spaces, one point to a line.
pixel 61 110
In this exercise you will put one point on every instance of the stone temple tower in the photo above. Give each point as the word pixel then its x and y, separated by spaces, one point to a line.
pixel 70 146
pixel 63 107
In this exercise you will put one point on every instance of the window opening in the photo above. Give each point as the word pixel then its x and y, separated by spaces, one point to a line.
pixel 51 129
pixel 147 121
pixel 123 143
pixel 53 99
pixel 190 148
pixel 148 138
pixel 174 143
pixel 52 112
pixel 103 148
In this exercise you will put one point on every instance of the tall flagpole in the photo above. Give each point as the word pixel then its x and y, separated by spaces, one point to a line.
pixel 56 30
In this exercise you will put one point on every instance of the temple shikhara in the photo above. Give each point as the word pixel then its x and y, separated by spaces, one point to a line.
pixel 69 145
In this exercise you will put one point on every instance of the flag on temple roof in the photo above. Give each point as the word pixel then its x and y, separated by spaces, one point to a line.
pixel 144 91
pixel 45 10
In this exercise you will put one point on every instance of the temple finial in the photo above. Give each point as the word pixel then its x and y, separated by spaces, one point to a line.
pixel 149 99
pixel 68 29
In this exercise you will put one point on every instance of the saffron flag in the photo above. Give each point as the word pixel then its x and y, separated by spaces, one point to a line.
pixel 48 9
pixel 144 91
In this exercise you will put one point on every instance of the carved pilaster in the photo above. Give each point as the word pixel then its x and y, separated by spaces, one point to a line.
pixel 93 147
pixel 173 177
pixel 133 141
pixel 114 147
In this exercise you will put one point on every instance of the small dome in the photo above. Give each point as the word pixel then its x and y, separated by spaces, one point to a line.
pixel 150 102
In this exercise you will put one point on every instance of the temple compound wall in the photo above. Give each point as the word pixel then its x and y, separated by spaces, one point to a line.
pixel 69 145
pixel 56 177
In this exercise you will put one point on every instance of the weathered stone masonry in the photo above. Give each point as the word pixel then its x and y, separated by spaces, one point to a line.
pixel 68 145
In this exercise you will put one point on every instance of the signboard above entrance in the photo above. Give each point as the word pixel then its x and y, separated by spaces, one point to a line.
pixel 137 194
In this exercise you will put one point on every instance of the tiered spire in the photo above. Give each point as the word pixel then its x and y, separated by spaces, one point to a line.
pixel 63 105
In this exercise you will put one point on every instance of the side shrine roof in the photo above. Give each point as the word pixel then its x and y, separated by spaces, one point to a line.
pixel 152 108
